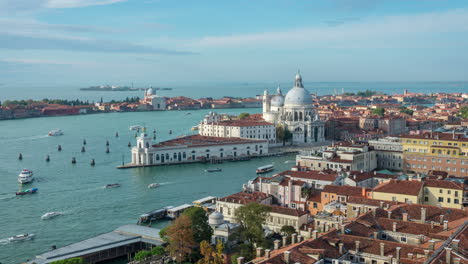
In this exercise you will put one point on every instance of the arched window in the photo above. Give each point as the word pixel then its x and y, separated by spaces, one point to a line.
pixel 184 155
pixel 139 145
pixel 175 155
pixel 295 116
pixel 167 156
pixel 147 145
pixel 157 156
pixel 207 150
pixel 300 116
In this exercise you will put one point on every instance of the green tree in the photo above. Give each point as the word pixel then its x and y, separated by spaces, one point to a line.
pixel 366 93
pixel 180 237
pixel 142 255
pixel 251 217
pixel 288 230
pixel 405 110
pixel 244 115
pixel 283 134
pixel 463 113
pixel 71 261
pixel 378 111
pixel 163 233
pixel 158 251
pixel 201 229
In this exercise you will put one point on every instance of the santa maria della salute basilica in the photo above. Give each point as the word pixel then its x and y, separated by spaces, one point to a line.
pixel 295 111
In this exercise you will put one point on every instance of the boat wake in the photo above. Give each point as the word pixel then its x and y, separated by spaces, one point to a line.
pixel 289 161
pixel 4 241
pixel 7 196
pixel 24 138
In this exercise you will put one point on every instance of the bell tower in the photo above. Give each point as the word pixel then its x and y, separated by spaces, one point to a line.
pixel 266 102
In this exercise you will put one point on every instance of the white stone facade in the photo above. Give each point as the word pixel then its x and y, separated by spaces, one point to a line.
pixel 295 111
pixel 213 126
pixel 194 149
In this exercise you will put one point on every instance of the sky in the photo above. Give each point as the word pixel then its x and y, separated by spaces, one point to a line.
pixel 92 42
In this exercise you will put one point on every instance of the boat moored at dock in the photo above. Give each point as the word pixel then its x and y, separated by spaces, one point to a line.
pixel 265 168
pixel 154 215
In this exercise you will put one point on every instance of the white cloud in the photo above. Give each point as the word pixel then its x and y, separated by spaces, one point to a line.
pixel 78 3
pixel 364 30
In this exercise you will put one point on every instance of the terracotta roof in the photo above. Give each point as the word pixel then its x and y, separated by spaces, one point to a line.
pixel 433 213
pixel 370 202
pixel 200 141
pixel 345 190
pixel 400 187
pixel 245 197
pixel 312 175
pixel 444 184
pixel 242 123
pixel 286 211
pixel 436 135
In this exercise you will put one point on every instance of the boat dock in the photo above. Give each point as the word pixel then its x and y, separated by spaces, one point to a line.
pixel 125 241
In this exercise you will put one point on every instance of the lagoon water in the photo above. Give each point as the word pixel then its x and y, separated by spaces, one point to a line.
pixel 77 189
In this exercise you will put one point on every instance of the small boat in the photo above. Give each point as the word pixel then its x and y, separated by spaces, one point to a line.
pixel 55 132
pixel 265 168
pixel 93 162
pixel 135 127
pixel 170 132
pixel 195 128
pixel 20 156
pixel 21 237
pixel 25 176
pixel 213 170
pixel 153 185
pixel 27 191
pixel 50 215
pixel 188 113
pixel 47 158
pixel 59 148
pixel 112 185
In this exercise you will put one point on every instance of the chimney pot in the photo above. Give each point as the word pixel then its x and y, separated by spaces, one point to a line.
pixel 293 238
pixel 357 245
pixel 240 260
pixel 445 225
pixel 410 255
pixel 389 214
pixel 267 253
pixel 423 215
pixel 456 261
pixel 405 217
pixel 455 244
pixel 426 254
pixel 300 238
pixel 259 252
pixel 394 227
pixel 432 245
pixel 314 234
pixel 398 252
pixel 382 249
pixel 340 248
pixel 286 256
pixel 285 241
pixel 448 255
pixel 277 244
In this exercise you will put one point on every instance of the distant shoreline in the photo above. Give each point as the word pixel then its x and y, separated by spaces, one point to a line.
pixel 119 89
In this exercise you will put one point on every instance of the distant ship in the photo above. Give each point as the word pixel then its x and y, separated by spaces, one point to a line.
pixel 113 88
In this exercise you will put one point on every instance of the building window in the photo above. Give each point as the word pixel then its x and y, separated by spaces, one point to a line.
pixel 441 199
pixel 456 201
pixel 426 199
pixel 383 236
pixel 403 239
pixel 448 200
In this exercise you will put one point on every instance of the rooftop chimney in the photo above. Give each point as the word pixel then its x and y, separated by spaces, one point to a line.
pixel 277 244
pixel 431 244
pixel 398 252
pixel 314 234
pixel 285 241
pixel 456 261
pixel 445 225
pixel 441 219
pixel 286 256
pixel 382 249
pixel 423 215
pixel 394 226
pixel 240 260
pixel 267 253
pixel 389 214
pixel 455 243
pixel 259 252
pixel 405 217
pixel 448 255
pixel 381 204
pixel 410 255
pixel 376 235
pixel 357 243
pixel 426 253
pixel 300 238
pixel 293 238
pixel 341 248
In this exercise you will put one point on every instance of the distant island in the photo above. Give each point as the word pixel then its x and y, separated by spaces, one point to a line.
pixel 113 88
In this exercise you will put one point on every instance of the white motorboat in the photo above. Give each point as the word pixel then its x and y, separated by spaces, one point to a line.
pixel 135 127
pixel 112 185
pixel 55 132
pixel 25 176
pixel 21 237
pixel 50 215
pixel 153 185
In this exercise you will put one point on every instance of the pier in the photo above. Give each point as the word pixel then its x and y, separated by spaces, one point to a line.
pixel 125 241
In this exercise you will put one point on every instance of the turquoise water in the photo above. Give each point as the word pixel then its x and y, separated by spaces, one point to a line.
pixel 197 90
pixel 77 190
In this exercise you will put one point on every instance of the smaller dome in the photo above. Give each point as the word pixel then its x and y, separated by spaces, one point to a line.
pixel 149 91
pixel 277 101
pixel 215 218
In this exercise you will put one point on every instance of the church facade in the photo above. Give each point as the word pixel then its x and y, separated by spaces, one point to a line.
pixel 296 112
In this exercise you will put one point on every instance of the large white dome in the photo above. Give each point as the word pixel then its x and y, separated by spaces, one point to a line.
pixel 298 95
pixel 277 101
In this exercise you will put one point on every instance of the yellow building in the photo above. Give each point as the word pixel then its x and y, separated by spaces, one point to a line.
pixel 399 191
pixel 444 193
pixel 436 152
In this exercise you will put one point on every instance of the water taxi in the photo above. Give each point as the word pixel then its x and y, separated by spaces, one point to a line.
pixel 213 170
pixel 25 176
pixel 195 128
pixel 21 237
pixel 27 191
pixel 112 185
pixel 55 132
pixel 135 127
pixel 153 185
pixel 265 168
pixel 50 215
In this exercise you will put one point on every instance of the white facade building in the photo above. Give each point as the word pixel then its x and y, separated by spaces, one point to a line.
pixel 158 102
pixel 295 111
pixel 194 148
pixel 389 153
pixel 213 126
